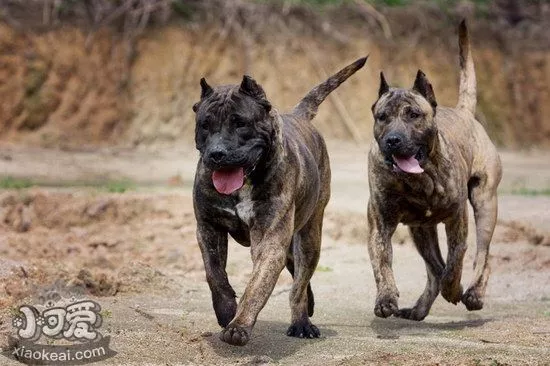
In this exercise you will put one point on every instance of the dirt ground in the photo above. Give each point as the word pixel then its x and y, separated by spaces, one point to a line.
pixel 135 253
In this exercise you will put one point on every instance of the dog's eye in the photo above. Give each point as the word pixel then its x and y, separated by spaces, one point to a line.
pixel 238 121
pixel 204 124
pixel 382 117
pixel 413 115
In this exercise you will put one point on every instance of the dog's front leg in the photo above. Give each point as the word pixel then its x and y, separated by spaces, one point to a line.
pixel 213 245
pixel 380 231
pixel 456 229
pixel 270 239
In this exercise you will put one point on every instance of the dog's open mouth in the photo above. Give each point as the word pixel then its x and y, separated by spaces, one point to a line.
pixel 228 180
pixel 408 164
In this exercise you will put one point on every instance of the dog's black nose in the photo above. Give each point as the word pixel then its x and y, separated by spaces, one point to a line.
pixel 393 141
pixel 217 155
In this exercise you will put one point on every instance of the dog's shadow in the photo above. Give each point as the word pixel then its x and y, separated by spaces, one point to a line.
pixel 269 342
pixel 393 328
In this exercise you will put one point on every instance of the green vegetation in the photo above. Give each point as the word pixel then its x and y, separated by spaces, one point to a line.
pixel 119 186
pixel 114 186
pixel 323 269
pixel 106 313
pixel 14 311
pixel 133 18
pixel 15 183
pixel 489 362
pixel 441 3
pixel 182 8
pixel 531 192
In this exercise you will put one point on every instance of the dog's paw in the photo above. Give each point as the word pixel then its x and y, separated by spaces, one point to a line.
pixel 385 306
pixel 411 314
pixel 450 291
pixel 303 329
pixel 235 335
pixel 472 300
pixel 225 309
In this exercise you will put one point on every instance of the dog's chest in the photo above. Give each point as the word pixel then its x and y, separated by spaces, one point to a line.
pixel 235 211
pixel 429 209
pixel 245 208
pixel 429 201
pixel 427 213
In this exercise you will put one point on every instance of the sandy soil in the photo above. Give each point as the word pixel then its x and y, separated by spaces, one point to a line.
pixel 135 253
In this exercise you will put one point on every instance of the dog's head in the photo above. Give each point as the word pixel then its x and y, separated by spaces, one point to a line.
pixel 404 124
pixel 234 130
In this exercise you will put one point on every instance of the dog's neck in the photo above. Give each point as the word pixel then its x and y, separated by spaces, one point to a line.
pixel 274 156
pixel 436 158
pixel 436 170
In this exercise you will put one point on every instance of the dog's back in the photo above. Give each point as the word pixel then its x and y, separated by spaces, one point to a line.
pixel 466 137
pixel 304 146
pixel 303 135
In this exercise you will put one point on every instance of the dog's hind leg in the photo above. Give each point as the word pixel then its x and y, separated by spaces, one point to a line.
pixel 484 202
pixel 306 250
pixel 456 229
pixel 213 245
pixel 426 242
pixel 290 267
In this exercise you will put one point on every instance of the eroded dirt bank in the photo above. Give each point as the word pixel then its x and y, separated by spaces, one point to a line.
pixel 71 87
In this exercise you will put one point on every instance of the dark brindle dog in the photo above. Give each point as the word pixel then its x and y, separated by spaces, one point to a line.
pixel 264 179
pixel 427 163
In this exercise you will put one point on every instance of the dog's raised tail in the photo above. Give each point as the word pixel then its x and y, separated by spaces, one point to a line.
pixel 467 90
pixel 308 106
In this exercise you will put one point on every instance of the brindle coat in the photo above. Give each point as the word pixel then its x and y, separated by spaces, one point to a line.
pixel 460 163
pixel 279 210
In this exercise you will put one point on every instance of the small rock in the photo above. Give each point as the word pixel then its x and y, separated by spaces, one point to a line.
pixel 98 208
pixel 260 360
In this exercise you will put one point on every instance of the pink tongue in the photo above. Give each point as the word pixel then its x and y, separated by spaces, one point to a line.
pixel 228 181
pixel 409 165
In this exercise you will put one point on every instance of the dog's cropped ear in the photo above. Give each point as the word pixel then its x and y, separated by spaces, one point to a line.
pixel 206 90
pixel 251 88
pixel 423 86
pixel 384 87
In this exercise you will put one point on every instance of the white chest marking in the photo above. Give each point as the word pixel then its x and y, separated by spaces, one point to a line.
pixel 245 207
pixel 228 210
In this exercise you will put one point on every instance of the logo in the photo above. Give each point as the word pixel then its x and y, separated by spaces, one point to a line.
pixel 70 328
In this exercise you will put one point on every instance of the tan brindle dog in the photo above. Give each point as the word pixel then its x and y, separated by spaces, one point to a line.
pixel 264 179
pixel 427 162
